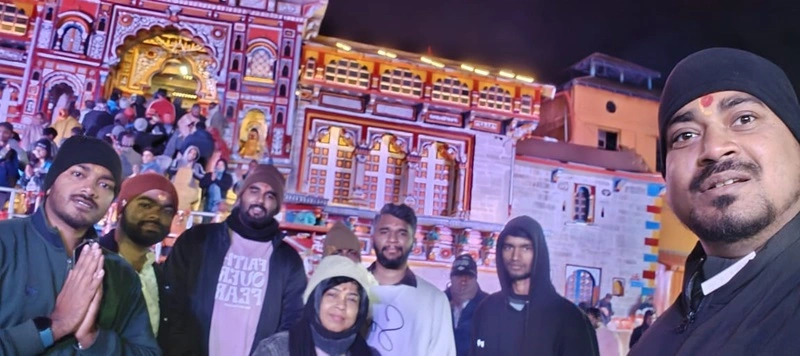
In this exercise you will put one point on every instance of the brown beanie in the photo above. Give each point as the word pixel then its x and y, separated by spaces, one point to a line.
pixel 340 237
pixel 266 173
pixel 138 184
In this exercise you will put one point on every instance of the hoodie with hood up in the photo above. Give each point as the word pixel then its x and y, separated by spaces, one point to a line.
pixel 539 323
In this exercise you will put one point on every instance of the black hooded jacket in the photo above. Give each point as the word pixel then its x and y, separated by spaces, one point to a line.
pixel 756 313
pixel 547 325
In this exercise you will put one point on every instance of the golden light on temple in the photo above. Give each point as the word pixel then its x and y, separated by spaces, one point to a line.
pixel 432 62
pixel 387 54
pixel 525 79
pixel 481 72
pixel 343 46
pixel 467 67
pixel 507 74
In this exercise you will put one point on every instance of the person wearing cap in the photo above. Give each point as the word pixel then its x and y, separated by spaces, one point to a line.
pixel 61 292
pixel 341 241
pixel 412 316
pixel 337 307
pixel 145 208
pixel 234 283
pixel 729 124
pixel 464 295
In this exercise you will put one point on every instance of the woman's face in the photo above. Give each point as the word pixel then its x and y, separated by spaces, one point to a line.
pixel 191 155
pixel 338 308
pixel 40 152
pixel 220 165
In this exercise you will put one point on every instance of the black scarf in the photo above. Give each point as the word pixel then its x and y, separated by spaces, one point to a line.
pixel 308 334
pixel 267 233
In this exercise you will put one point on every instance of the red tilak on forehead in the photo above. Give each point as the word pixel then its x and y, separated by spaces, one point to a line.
pixel 707 100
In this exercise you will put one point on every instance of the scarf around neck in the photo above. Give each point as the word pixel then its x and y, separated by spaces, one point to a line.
pixel 264 234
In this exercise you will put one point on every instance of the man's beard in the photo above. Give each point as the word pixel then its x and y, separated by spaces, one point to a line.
pixel 519 277
pixel 389 263
pixel 141 238
pixel 727 228
pixel 80 220
pixel 256 222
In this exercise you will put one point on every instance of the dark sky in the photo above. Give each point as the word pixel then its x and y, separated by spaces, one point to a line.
pixel 544 38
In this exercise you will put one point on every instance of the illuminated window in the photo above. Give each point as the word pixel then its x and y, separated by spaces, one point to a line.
pixel 260 64
pixel 311 65
pixel 347 72
pixel 496 98
pixel 331 165
pixel 401 81
pixel 584 203
pixel 436 180
pixel 526 105
pixel 383 172
pixel 13 21
pixel 451 90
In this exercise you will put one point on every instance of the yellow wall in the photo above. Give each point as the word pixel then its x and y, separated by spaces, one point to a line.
pixel 635 119
pixel 674 236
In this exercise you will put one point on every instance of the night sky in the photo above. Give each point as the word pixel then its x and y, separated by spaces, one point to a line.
pixel 544 38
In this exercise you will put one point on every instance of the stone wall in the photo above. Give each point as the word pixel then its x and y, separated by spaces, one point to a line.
pixel 619 240
pixel 491 178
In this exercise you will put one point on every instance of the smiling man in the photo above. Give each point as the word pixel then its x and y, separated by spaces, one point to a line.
pixel 234 283
pixel 59 291
pixel 729 124
pixel 411 317
pixel 146 206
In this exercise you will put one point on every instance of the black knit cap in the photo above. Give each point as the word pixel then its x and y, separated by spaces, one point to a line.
pixel 720 69
pixel 85 149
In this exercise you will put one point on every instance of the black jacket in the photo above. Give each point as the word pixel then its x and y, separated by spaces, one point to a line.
pixel 756 313
pixel 191 274
pixel 463 330
pixel 548 324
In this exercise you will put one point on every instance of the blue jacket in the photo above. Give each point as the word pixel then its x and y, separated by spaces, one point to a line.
pixel 191 274
pixel 462 331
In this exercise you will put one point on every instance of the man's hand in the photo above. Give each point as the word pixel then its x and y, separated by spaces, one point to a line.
pixel 87 331
pixel 78 292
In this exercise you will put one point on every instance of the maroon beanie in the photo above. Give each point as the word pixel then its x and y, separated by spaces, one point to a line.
pixel 266 173
pixel 138 184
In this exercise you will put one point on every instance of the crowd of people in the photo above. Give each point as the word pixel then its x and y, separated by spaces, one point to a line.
pixel 730 129
pixel 158 135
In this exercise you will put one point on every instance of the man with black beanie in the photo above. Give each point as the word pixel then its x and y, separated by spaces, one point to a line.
pixel 235 283
pixel 60 293
pixel 729 123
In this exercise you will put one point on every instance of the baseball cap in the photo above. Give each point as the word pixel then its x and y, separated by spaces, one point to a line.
pixel 464 264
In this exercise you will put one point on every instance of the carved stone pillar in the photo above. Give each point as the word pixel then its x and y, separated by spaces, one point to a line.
pixel 462 181
pixel 312 143
pixel 358 196
pixel 409 178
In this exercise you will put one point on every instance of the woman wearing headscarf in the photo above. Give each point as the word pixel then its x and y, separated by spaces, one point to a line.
pixel 337 307
pixel 186 173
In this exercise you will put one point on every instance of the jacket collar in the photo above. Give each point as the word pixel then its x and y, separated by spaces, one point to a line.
pixel 50 233
pixel 409 278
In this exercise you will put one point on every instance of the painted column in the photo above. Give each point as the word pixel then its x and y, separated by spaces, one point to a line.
pixel 357 195
pixel 312 142
pixel 462 176
pixel 409 178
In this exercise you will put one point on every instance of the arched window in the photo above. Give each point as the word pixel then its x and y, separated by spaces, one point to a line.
pixel 49 15
pixel 102 25
pixel 13 20
pixel 347 72
pixel 89 86
pixel 287 50
pixel 237 45
pixel 383 171
pixel 401 81
pixel 72 38
pixel 495 97
pixel 584 203
pixel 331 168
pixel 260 63
pixel 285 71
pixel 450 90
pixel 580 287
pixel 234 84
pixel 279 118
pixel 35 76
pixel 235 64
pixel 282 91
